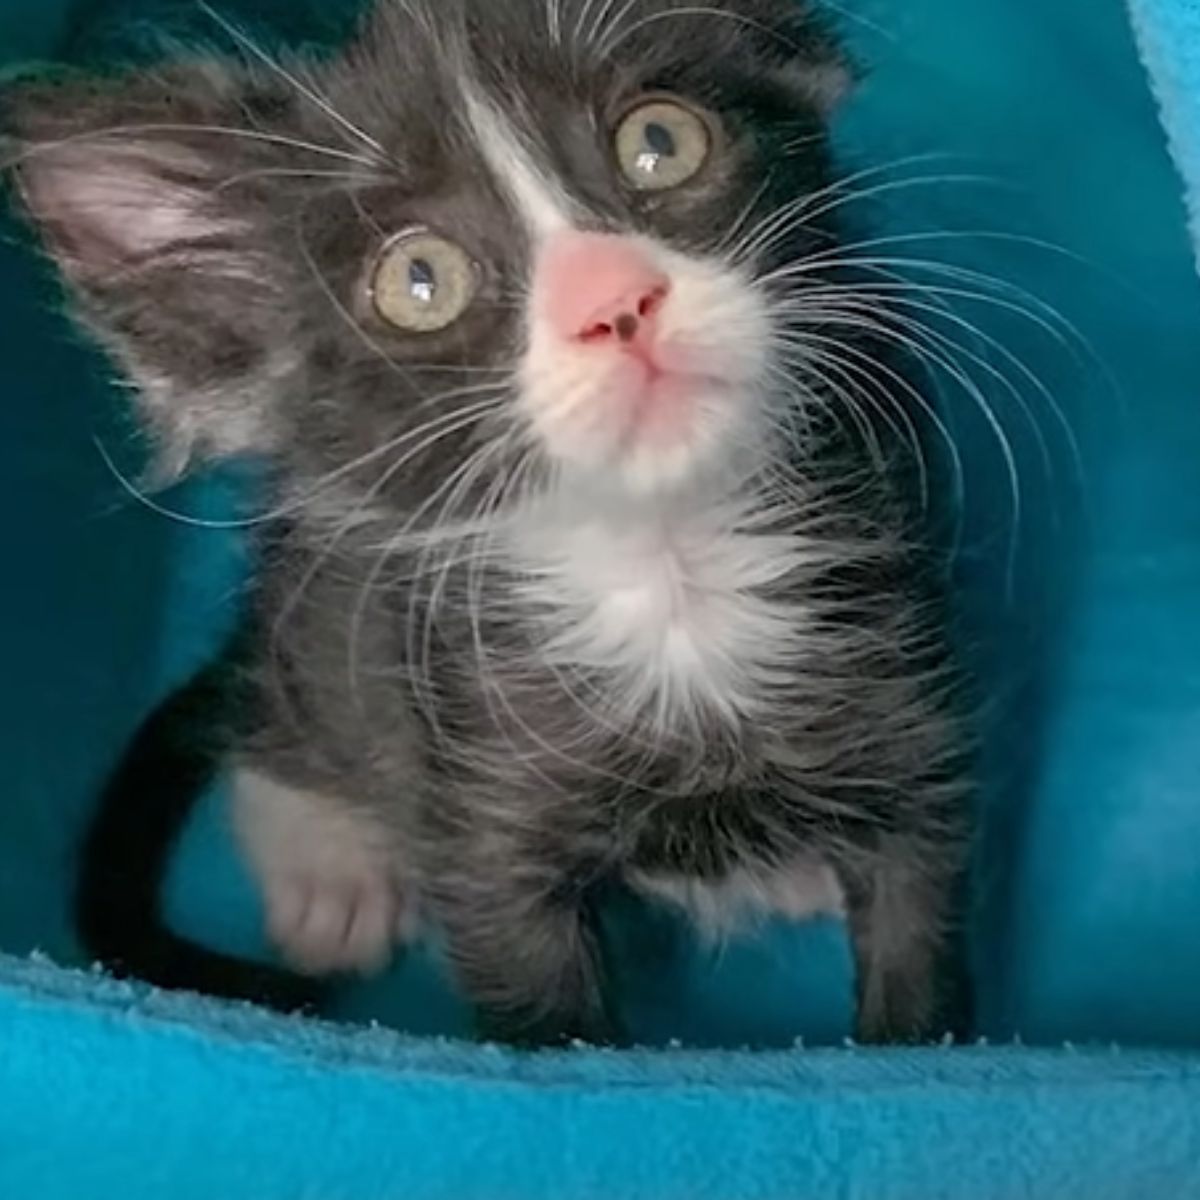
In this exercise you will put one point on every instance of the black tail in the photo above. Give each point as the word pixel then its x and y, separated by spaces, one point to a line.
pixel 174 758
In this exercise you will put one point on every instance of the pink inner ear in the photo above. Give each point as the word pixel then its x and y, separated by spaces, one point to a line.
pixel 105 204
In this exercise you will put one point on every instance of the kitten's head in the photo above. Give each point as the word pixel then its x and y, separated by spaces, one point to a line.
pixel 486 235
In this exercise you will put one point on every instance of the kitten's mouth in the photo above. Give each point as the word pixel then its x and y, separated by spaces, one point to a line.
pixel 658 406
pixel 649 421
pixel 656 401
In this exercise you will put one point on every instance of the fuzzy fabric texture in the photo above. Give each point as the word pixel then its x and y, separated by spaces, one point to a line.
pixel 1088 888
pixel 1168 32
pixel 112 1092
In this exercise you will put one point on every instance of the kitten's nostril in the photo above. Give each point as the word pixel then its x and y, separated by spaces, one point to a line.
pixel 651 302
pixel 629 321
pixel 597 332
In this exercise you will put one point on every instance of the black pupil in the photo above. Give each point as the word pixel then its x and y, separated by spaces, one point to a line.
pixel 660 140
pixel 421 277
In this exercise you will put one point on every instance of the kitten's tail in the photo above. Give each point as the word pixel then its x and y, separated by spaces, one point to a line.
pixel 174 757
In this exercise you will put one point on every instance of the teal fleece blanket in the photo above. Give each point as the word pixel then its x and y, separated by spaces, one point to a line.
pixel 1054 144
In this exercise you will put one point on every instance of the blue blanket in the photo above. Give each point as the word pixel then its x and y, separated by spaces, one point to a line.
pixel 1168 32
pixel 1053 175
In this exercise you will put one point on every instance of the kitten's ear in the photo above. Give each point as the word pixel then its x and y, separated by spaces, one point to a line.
pixel 106 204
pixel 125 181
pixel 822 83
pixel 810 61
pixel 106 171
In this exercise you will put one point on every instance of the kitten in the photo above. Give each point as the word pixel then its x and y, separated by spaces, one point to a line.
pixel 590 555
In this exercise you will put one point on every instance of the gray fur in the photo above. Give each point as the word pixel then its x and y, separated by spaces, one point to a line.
pixel 514 794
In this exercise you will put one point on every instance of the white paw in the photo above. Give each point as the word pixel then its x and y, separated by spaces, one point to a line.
pixel 335 890
pixel 797 890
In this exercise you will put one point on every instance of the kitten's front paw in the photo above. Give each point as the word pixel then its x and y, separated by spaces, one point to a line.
pixel 334 887
pixel 342 917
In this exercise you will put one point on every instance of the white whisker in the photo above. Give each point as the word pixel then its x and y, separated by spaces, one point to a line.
pixel 613 43
pixel 307 91
pixel 133 130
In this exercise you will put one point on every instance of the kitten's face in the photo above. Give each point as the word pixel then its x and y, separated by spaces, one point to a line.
pixel 490 236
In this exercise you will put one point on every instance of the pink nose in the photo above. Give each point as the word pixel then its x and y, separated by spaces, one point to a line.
pixel 599 287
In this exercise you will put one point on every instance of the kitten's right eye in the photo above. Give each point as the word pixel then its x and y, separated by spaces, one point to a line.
pixel 661 144
pixel 422 282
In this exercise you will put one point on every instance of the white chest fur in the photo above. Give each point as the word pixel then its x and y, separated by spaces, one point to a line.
pixel 679 604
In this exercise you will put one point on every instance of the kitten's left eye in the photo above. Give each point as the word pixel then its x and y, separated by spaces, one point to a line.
pixel 422 282
pixel 661 145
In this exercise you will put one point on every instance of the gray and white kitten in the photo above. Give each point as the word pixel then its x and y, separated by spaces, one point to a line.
pixel 590 556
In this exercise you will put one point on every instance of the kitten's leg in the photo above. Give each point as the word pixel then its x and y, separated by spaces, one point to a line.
pixel 521 939
pixel 533 974
pixel 337 895
pixel 899 896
